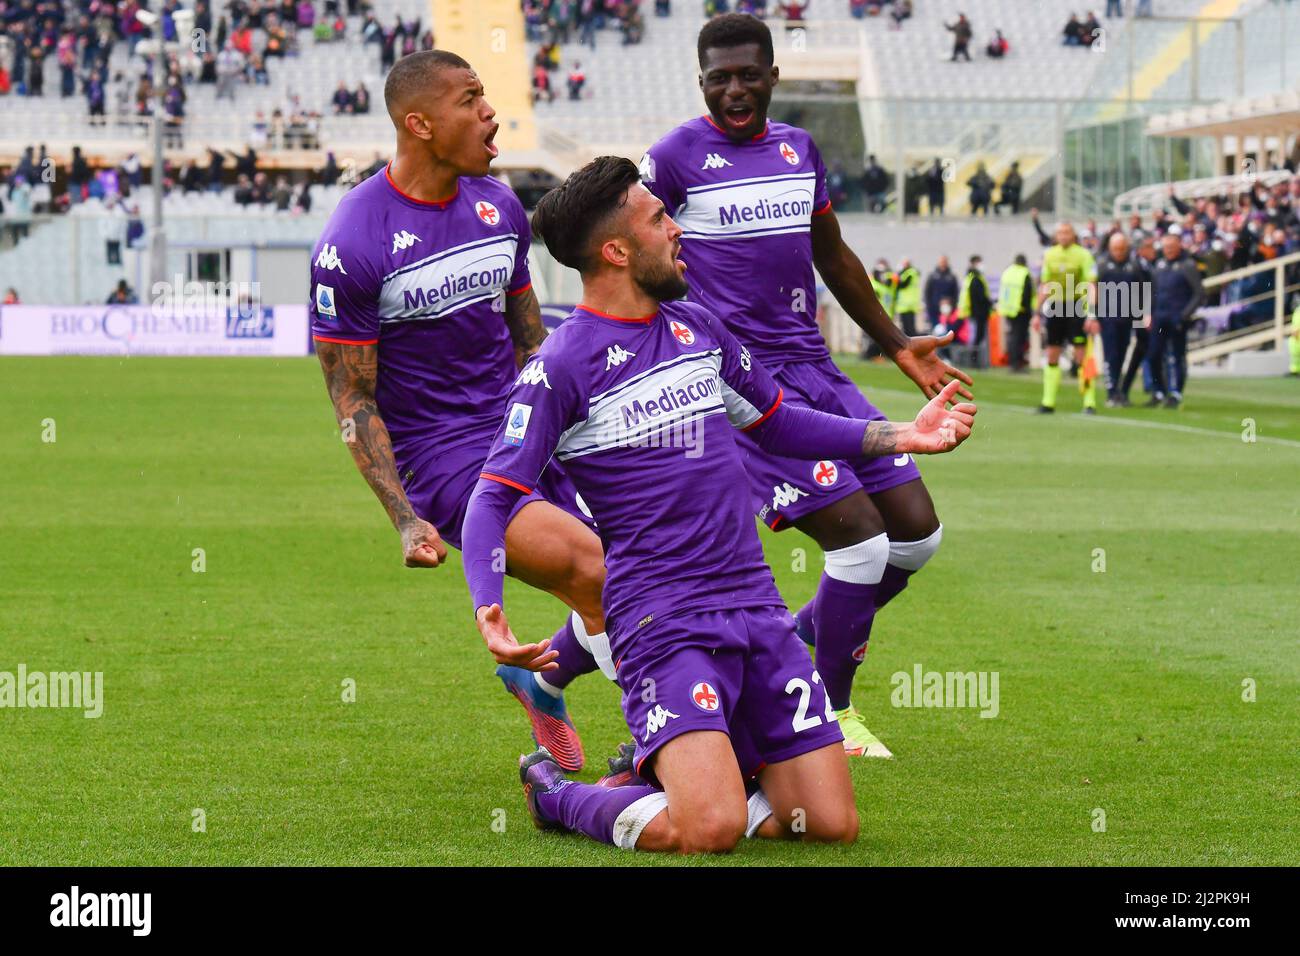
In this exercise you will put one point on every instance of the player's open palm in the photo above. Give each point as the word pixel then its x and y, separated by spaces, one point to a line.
pixel 920 361
pixel 939 428
pixel 500 640
pixel 422 546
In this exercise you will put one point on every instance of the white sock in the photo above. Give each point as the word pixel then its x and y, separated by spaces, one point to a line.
pixel 636 817
pixel 912 555
pixel 597 645
pixel 555 692
pixel 759 810
pixel 861 563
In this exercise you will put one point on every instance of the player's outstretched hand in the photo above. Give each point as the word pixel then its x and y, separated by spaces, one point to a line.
pixel 494 627
pixel 422 546
pixel 938 428
pixel 920 362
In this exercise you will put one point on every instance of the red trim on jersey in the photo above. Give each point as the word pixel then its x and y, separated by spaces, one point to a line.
pixel 505 481
pixel 780 394
pixel 325 338
pixel 824 210
pixel 521 290
pixel 617 318
pixel 756 136
pixel 440 203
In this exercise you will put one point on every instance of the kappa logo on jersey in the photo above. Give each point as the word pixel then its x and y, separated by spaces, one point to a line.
pixel 902 460
pixel 517 423
pixel 647 168
pixel 533 373
pixel 714 161
pixel 487 212
pixel 329 259
pixel 705 697
pixel 656 720
pixel 616 355
pixel 825 473
pixel 746 360
pixel 860 652
pixel 404 240
pixel 786 494
pixel 325 300
pixel 789 155
pixel 681 333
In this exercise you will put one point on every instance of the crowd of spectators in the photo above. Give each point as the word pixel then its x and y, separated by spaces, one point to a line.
pixel 228 49
pixel 1082 33
pixel 554 23
pixel 37 185
pixel 1222 233
pixel 1217 234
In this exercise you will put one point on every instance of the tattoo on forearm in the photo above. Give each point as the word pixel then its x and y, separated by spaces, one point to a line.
pixel 524 320
pixel 881 438
pixel 350 375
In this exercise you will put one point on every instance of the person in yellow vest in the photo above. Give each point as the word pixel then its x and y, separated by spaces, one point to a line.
pixel 974 302
pixel 1293 343
pixel 1016 300
pixel 885 284
pixel 907 299
pixel 1067 283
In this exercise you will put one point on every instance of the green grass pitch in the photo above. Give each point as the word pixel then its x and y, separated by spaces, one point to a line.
pixel 1120 691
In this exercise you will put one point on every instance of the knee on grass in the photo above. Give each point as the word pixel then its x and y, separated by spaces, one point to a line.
pixel 837 826
pixel 716 830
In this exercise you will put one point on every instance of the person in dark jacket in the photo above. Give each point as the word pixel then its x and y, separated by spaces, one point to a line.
pixel 981 191
pixel 974 301
pixel 1123 292
pixel 1177 292
pixel 935 187
pixel 961 34
pixel 1011 188
pixel 939 285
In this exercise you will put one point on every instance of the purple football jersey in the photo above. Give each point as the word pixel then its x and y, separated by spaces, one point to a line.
pixel 746 212
pixel 427 282
pixel 641 414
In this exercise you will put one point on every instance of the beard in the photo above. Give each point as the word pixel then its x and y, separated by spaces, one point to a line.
pixel 659 280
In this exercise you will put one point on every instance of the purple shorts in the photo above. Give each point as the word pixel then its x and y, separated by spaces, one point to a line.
pixel 740 671
pixel 787 489
pixel 439 484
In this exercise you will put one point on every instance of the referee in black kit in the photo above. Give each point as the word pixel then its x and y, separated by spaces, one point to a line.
pixel 1123 300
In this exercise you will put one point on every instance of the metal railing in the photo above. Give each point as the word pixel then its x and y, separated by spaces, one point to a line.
pixel 1260 334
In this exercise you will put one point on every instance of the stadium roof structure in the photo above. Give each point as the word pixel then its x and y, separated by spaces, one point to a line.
pixel 1277 114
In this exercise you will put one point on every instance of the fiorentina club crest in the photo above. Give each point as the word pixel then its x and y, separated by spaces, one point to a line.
pixel 705 697
pixel 789 155
pixel 681 333
pixel 487 212
pixel 825 473
pixel 860 652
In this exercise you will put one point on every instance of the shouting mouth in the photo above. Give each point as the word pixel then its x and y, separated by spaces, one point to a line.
pixel 489 145
pixel 738 116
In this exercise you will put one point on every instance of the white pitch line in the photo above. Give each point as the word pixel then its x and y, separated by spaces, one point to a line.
pixel 1111 420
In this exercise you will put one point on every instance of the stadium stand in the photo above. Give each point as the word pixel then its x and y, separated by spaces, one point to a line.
pixel 306 77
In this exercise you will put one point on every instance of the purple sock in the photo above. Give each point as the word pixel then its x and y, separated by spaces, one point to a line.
pixel 574 660
pixel 841 614
pixel 596 811
pixel 891 585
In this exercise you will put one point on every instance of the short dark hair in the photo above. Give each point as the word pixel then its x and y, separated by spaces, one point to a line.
pixel 732 30
pixel 570 214
pixel 416 72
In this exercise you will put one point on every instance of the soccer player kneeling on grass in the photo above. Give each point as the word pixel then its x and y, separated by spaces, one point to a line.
pixel 637 395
